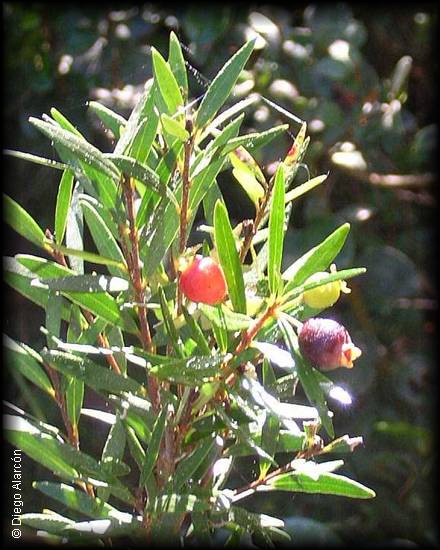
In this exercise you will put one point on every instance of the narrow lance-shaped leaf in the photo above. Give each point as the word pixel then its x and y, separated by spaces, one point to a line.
pixel 166 82
pixel 191 463
pixel 154 446
pixel 28 362
pixel 79 147
pixel 222 85
pixel 113 451
pixel 229 258
pixel 63 204
pixel 169 324
pixel 145 134
pixel 74 400
pixel 103 237
pixel 174 127
pixel 19 278
pixel 296 192
pixel 97 377
pixel 75 499
pixel 193 371
pixel 316 259
pixel 36 444
pixel 276 232
pixel 113 121
pixel 327 483
pixel 75 229
pixel 64 123
pixel 196 333
pixel 136 117
pixel 271 426
pixel 22 222
pixel 53 313
pixel 176 62
pixel 85 255
pixel 36 159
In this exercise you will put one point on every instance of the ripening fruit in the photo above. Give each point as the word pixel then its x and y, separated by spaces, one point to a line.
pixel 327 344
pixel 203 281
pixel 325 295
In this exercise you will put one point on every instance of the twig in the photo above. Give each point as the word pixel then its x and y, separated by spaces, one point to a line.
pixel 133 262
pixel 186 186
pixel 252 226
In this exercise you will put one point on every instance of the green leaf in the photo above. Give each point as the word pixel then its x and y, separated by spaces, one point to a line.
pixel 19 278
pixel 113 452
pixel 222 85
pixel 134 169
pixel 197 333
pixel 85 255
pixel 316 259
pixel 79 147
pixel 243 436
pixel 38 445
pixel 229 258
pixel 42 267
pixel 117 525
pixel 28 362
pixel 288 442
pixel 169 323
pixel 75 499
pixel 249 183
pixel 193 371
pixel 64 123
pixel 221 316
pixel 49 521
pixel 86 283
pixel 53 312
pixel 62 205
pixel 143 139
pixel 74 399
pixel 36 159
pixel 176 504
pixel 166 82
pixel 75 228
pixel 174 127
pixel 102 236
pixel 307 377
pixel 189 465
pixel 276 232
pixel 110 119
pixel 141 110
pixel 22 222
pixel 327 483
pixel 177 65
pixel 296 192
pixel 255 140
pixel 154 446
pixel 97 377
pixel 100 304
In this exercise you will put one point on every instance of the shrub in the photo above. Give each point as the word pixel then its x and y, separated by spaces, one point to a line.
pixel 186 388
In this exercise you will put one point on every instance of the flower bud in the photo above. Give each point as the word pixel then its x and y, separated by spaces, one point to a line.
pixel 327 344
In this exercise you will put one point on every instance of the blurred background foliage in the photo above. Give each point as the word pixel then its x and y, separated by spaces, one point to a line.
pixel 365 80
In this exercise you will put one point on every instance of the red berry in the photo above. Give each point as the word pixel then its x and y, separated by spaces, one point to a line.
pixel 203 281
pixel 327 344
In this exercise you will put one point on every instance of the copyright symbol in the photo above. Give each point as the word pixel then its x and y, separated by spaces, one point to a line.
pixel 16 533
